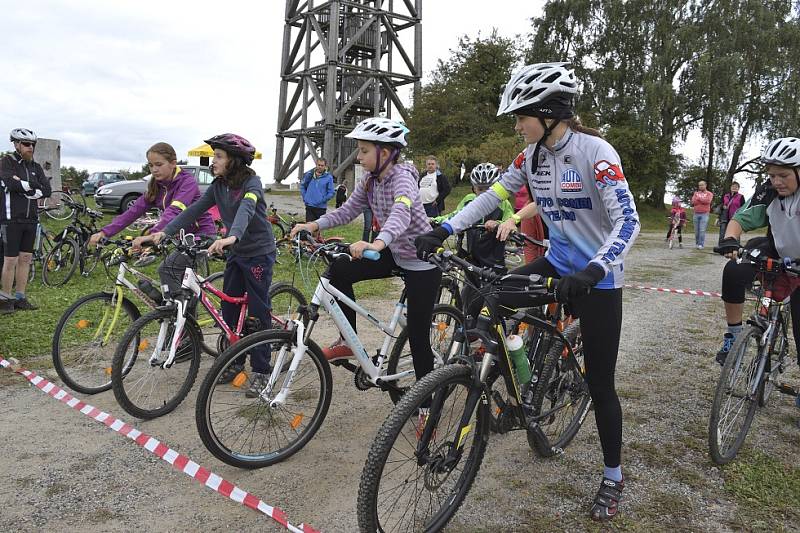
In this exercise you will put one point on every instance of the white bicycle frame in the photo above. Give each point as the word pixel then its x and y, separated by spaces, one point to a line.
pixel 326 295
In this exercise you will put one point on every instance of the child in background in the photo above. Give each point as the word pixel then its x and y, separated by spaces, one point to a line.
pixel 677 219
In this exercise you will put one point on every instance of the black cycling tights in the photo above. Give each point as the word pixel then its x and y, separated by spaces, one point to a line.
pixel 737 277
pixel 600 314
pixel 421 290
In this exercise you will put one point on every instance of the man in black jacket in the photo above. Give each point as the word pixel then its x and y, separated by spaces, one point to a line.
pixel 22 183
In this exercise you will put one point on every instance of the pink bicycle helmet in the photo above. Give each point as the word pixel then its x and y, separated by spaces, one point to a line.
pixel 234 145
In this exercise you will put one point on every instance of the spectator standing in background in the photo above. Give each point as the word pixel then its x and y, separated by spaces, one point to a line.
pixel 731 203
pixel 433 188
pixel 316 188
pixel 701 202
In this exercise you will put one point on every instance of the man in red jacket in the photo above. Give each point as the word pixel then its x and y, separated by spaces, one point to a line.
pixel 701 202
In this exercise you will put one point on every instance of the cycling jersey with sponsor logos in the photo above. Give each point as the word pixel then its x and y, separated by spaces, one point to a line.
pixel 583 198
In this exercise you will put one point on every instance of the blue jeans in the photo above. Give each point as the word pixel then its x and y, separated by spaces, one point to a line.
pixel 700 223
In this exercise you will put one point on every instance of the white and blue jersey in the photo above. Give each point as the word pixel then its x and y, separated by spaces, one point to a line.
pixel 583 198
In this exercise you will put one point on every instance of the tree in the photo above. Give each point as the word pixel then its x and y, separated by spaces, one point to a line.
pixel 73 177
pixel 459 106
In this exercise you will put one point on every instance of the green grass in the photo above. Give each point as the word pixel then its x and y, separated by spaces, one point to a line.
pixel 767 489
pixel 27 335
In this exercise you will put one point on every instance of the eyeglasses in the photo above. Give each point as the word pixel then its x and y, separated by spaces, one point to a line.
pixel 27 144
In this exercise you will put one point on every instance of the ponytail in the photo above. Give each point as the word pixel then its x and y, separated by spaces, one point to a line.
pixel 575 124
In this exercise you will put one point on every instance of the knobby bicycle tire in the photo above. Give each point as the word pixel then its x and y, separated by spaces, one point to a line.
pixel 86 367
pixel 560 384
pixel 132 375
pixel 400 356
pixel 289 299
pixel 732 396
pixel 222 409
pixel 449 288
pixel 396 429
pixel 62 259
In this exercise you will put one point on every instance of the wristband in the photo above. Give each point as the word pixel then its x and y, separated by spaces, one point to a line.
pixel 516 218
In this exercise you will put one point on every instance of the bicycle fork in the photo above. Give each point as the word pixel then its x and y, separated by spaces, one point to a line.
pixel 297 358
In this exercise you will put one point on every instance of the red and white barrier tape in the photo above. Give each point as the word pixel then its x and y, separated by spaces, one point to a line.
pixel 690 292
pixel 178 461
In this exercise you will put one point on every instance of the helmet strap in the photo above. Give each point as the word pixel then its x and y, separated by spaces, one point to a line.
pixel 380 167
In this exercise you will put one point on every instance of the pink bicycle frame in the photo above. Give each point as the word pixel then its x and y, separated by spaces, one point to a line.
pixel 233 336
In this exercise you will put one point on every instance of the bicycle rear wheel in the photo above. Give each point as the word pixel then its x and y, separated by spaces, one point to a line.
pixel 142 386
pixel 445 320
pixel 734 406
pixel 449 293
pixel 60 263
pixel 86 337
pixel 250 432
pixel 409 487
pixel 561 391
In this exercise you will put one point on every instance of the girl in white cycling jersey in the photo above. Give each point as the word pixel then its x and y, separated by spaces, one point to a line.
pixel 578 186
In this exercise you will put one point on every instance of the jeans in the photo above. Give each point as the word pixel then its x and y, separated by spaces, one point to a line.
pixel 700 223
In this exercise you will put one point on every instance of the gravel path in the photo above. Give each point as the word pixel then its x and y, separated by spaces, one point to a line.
pixel 65 472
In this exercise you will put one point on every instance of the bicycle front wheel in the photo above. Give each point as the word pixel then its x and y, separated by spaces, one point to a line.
pixel 407 485
pixel 285 299
pixel 562 394
pixel 445 320
pixel 58 209
pixel 86 337
pixel 734 403
pixel 239 423
pixel 142 385
pixel 60 263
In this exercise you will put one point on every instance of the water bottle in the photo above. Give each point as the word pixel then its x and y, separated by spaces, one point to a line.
pixel 516 349
pixel 149 289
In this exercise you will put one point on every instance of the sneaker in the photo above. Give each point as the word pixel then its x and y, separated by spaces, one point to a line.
pixel 606 502
pixel 6 306
pixel 337 350
pixel 680 245
pixel 257 383
pixel 727 342
pixel 23 304
pixel 230 373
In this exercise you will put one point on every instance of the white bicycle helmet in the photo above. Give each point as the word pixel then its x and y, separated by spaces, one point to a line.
pixel 22 134
pixel 484 174
pixel 380 130
pixel 534 84
pixel 784 152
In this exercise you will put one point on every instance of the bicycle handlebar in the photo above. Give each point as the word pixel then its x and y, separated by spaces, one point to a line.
pixel 335 250
pixel 534 282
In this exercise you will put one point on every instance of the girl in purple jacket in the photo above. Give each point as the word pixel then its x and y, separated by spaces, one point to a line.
pixel 170 189
pixel 390 190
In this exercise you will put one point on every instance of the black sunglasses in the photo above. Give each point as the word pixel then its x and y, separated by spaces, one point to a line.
pixel 27 144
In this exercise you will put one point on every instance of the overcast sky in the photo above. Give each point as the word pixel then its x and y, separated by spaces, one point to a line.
pixel 111 78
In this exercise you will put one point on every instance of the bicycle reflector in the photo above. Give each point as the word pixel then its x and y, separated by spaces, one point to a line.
pixel 239 380
pixel 82 324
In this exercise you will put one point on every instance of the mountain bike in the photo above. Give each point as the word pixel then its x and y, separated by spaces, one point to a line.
pixel 157 360
pixel 757 358
pixel 281 226
pixel 427 453
pixel 256 432
pixel 71 248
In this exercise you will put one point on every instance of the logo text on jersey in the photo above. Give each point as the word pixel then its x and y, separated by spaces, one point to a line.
pixel 571 181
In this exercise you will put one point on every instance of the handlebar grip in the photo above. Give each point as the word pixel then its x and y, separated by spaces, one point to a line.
pixel 372 255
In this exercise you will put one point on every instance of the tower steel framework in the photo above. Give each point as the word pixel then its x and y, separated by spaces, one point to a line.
pixel 343 61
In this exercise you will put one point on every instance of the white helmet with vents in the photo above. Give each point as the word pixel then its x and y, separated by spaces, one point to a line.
pixel 534 84
pixel 484 174
pixel 380 130
pixel 784 152
pixel 22 134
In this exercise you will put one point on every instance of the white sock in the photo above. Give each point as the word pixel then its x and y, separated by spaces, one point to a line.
pixel 613 473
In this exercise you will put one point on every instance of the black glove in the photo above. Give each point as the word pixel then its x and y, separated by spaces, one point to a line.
pixel 429 243
pixel 576 285
pixel 727 245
